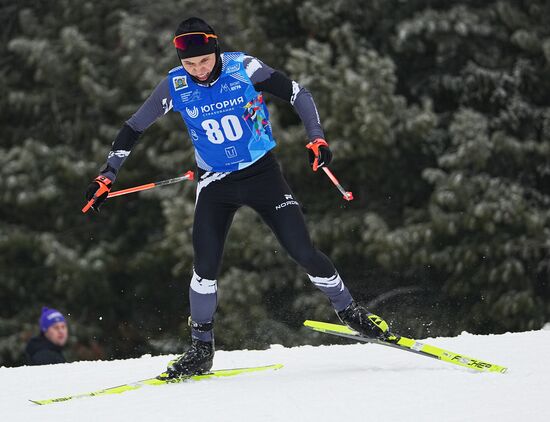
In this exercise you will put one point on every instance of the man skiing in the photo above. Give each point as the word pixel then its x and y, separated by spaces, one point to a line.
pixel 219 96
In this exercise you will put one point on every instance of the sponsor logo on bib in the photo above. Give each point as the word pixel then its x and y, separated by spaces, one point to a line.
pixel 180 82
pixel 192 112
pixel 233 68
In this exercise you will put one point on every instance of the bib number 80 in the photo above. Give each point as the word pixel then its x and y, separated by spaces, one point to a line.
pixel 230 129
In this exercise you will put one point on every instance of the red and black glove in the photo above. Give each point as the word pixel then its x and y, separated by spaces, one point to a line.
pixel 319 153
pixel 98 191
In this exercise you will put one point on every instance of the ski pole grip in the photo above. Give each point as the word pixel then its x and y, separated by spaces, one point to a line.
pixel 102 189
pixel 314 147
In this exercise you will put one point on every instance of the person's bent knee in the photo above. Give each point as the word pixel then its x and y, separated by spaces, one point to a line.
pixel 206 269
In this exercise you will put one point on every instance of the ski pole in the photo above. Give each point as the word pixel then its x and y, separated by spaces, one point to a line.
pixel 314 147
pixel 348 196
pixel 187 176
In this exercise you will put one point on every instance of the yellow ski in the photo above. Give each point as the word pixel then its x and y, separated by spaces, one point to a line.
pixel 409 345
pixel 220 373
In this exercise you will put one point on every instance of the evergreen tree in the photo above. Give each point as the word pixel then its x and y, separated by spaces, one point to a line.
pixel 75 72
pixel 438 118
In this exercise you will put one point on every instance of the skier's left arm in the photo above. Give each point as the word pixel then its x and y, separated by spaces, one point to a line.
pixel 267 79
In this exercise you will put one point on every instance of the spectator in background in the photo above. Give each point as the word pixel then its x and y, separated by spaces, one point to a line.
pixel 47 347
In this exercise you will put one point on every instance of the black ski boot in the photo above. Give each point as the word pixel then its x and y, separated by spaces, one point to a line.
pixel 195 361
pixel 359 319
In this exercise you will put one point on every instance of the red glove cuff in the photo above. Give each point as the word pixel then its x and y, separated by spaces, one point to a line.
pixel 104 180
pixel 316 143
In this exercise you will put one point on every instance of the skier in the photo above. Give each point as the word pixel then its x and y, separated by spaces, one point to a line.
pixel 219 96
pixel 47 348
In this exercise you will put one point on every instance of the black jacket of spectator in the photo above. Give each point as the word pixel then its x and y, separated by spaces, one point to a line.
pixel 41 351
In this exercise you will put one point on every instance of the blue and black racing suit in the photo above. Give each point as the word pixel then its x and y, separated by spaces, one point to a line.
pixel 228 123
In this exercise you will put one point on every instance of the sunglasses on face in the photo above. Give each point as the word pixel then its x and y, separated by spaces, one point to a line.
pixel 183 41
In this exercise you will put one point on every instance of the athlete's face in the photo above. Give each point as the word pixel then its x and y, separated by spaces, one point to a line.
pixel 200 66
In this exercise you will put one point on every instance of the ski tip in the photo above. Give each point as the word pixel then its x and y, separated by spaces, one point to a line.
pixel 312 324
pixel 38 402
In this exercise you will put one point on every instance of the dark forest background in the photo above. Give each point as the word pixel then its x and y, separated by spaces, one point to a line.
pixel 438 114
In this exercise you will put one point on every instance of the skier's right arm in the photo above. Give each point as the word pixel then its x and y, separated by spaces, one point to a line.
pixel 158 104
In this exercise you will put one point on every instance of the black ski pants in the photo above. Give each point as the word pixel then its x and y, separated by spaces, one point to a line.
pixel 263 188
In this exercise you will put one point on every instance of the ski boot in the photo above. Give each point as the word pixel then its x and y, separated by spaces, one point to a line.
pixel 359 319
pixel 196 360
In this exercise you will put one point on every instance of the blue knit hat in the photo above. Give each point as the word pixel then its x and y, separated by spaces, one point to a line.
pixel 49 317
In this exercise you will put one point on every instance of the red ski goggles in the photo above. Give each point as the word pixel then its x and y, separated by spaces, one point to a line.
pixel 183 41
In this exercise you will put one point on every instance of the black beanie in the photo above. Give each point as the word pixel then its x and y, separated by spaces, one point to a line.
pixel 193 50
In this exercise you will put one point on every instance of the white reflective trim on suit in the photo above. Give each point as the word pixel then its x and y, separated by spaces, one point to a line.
pixel 120 153
pixel 203 286
pixel 327 282
pixel 252 66
pixel 208 178
pixel 296 88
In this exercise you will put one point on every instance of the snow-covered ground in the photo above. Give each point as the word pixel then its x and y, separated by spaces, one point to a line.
pixel 358 382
